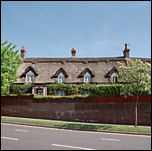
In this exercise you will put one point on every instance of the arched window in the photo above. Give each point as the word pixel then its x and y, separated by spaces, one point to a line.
pixel 87 77
pixel 115 77
pixel 30 76
pixel 61 77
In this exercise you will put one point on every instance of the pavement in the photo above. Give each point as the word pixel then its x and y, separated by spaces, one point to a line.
pixel 121 132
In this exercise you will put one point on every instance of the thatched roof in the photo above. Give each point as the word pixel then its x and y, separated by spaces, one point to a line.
pixel 81 75
pixel 58 72
pixel 73 68
pixel 113 70
pixel 28 69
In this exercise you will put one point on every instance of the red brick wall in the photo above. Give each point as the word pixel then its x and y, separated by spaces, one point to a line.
pixel 78 109
pixel 120 99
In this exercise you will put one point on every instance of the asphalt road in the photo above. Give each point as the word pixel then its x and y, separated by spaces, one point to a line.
pixel 19 137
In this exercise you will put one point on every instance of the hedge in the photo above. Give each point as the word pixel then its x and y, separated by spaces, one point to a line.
pixel 21 88
pixel 77 89
pixel 55 97
pixel 70 89
pixel 74 89
pixel 107 90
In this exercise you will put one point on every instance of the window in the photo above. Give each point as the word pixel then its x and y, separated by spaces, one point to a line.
pixel 61 93
pixel 30 76
pixel 39 91
pixel 61 77
pixel 86 92
pixel 114 77
pixel 87 77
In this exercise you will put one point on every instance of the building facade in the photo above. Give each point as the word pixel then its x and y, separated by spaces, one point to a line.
pixel 44 71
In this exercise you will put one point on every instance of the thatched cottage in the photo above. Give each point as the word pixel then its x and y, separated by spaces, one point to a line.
pixel 44 71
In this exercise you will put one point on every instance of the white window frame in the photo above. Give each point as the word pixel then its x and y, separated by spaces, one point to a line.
pixel 87 77
pixel 30 76
pixel 114 77
pixel 61 77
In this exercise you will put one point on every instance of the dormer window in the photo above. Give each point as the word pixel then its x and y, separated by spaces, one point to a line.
pixel 113 73
pixel 114 77
pixel 86 74
pixel 61 77
pixel 87 77
pixel 30 76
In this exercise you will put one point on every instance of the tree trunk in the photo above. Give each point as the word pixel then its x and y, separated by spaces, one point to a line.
pixel 136 111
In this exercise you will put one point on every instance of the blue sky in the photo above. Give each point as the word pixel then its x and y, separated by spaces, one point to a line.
pixel 93 28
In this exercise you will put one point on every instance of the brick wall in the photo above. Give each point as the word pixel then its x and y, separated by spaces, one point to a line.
pixel 78 109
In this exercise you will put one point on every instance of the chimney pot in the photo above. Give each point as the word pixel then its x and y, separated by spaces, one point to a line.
pixel 125 46
pixel 23 52
pixel 73 51
pixel 126 52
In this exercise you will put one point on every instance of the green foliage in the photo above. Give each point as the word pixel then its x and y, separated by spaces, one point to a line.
pixel 96 90
pixel 88 87
pixel 21 88
pixel 107 90
pixel 137 75
pixel 131 90
pixel 70 89
pixel 54 97
pixel 10 62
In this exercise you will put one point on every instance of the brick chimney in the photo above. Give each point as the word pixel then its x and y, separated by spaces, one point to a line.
pixel 126 52
pixel 23 52
pixel 73 51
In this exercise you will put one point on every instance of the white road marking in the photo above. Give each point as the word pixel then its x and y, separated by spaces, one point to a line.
pixel 110 139
pixel 21 130
pixel 73 147
pixel 15 139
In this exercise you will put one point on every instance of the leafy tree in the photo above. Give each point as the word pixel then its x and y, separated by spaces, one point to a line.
pixel 10 62
pixel 137 76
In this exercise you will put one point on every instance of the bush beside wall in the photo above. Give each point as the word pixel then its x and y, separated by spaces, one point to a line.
pixel 70 89
pixel 74 89
pixel 77 89
pixel 21 88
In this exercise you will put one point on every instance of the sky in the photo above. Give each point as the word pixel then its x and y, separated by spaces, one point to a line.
pixel 93 28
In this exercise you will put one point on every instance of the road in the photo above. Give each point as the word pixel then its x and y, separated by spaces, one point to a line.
pixel 22 137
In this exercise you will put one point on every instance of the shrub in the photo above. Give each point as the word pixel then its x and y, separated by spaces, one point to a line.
pixel 95 90
pixel 70 89
pixel 87 87
pixel 107 90
pixel 75 89
pixel 21 88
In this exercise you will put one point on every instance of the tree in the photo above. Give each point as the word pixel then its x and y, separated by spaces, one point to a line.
pixel 10 62
pixel 137 76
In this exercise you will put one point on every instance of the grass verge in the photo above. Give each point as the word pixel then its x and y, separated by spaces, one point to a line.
pixel 54 97
pixel 83 126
